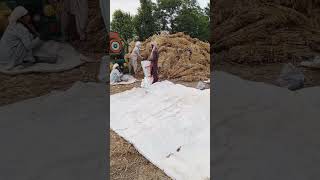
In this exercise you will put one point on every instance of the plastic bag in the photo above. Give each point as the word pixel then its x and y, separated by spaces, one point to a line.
pixel 315 63
pixel 291 77
pixel 202 85
pixel 148 79
pixel 126 78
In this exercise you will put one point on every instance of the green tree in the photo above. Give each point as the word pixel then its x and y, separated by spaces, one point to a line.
pixel 192 20
pixel 207 10
pixel 167 11
pixel 122 23
pixel 190 4
pixel 146 21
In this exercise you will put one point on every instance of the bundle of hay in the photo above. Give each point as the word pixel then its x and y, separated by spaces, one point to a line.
pixel 265 31
pixel 180 56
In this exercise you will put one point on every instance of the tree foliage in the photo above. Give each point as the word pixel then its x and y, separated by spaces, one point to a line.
pixel 167 11
pixel 192 20
pixel 123 24
pixel 165 15
pixel 146 22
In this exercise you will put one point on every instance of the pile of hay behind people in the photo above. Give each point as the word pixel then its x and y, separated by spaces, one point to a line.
pixel 180 56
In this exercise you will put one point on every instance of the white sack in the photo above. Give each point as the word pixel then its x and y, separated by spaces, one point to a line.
pixel 148 79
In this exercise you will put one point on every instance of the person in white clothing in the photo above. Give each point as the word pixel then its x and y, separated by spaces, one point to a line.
pixel 19 41
pixel 115 75
pixel 133 64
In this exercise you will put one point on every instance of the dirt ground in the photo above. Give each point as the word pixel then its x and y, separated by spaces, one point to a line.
pixel 24 86
pixel 125 162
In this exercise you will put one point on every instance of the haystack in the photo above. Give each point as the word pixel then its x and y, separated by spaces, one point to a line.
pixel 180 56
pixel 265 31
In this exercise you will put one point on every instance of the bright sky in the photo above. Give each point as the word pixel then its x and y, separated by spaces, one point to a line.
pixel 131 6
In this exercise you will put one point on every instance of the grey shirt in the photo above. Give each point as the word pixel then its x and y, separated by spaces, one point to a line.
pixel 115 76
pixel 16 45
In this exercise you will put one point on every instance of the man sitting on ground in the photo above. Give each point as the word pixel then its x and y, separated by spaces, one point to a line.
pixel 20 40
pixel 115 75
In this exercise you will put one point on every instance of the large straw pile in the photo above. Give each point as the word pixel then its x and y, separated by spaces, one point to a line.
pixel 265 31
pixel 180 56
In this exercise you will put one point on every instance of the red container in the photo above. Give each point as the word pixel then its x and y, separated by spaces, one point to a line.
pixel 114 35
pixel 115 43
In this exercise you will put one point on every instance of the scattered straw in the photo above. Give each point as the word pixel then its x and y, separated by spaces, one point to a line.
pixel 265 31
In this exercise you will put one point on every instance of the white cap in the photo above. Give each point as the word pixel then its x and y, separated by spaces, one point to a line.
pixel 115 66
pixel 138 44
pixel 17 13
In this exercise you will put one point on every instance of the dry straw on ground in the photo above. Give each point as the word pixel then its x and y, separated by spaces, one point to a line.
pixel 180 56
pixel 265 31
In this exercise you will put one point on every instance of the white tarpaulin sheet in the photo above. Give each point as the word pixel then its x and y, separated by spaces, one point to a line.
pixel 56 136
pixel 263 132
pixel 169 124
pixel 68 58
pixel 126 79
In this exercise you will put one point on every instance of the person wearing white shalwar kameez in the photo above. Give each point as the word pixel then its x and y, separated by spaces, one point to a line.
pixel 18 40
pixel 115 75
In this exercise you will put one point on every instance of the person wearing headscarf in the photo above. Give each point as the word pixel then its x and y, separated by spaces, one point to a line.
pixel 115 75
pixel 134 57
pixel 18 40
pixel 154 56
